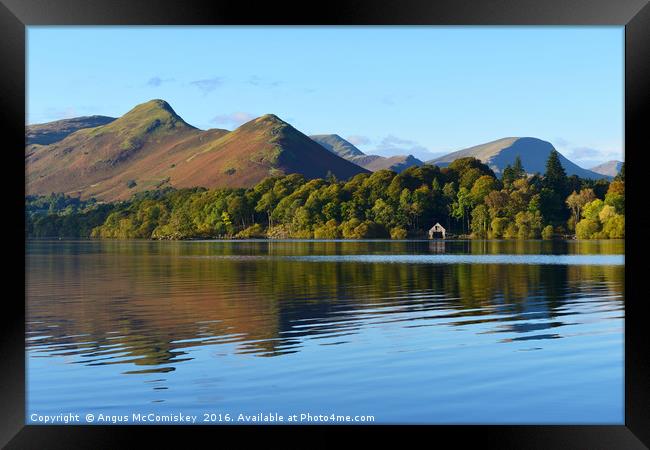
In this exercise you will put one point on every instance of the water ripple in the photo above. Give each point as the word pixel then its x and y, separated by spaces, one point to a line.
pixel 405 329
pixel 591 260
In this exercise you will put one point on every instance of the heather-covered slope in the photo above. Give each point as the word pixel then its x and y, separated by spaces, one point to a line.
pixel 266 146
pixel 132 153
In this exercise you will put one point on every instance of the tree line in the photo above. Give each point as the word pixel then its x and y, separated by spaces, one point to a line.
pixel 466 198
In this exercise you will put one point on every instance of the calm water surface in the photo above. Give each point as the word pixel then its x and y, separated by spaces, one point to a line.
pixel 408 332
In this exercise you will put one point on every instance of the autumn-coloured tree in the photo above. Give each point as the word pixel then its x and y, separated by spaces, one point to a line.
pixel 576 201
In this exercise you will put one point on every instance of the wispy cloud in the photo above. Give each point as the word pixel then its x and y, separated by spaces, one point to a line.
pixel 393 145
pixel 561 142
pixel 358 140
pixel 233 119
pixel 61 113
pixel 432 155
pixel 584 153
pixel 389 101
pixel 585 156
pixel 207 85
pixel 66 112
pixel 157 81
pixel 263 82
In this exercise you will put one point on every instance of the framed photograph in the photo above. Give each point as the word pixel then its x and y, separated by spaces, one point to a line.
pixel 369 217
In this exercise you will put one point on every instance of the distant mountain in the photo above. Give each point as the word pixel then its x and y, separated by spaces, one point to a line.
pixel 151 147
pixel 610 168
pixel 51 132
pixel 532 151
pixel 336 144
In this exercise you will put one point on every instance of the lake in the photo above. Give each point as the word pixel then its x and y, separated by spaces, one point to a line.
pixel 440 332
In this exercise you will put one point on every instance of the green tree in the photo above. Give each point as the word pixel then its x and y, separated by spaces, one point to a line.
pixel 252 232
pixel 614 228
pixel 511 231
pixel 482 187
pixel 462 206
pixel 592 209
pixel 587 228
pixel 266 204
pixel 480 221
pixel 518 168
pixel 469 177
pixel 384 213
pixel 508 176
pixel 555 176
pixel 398 233
pixel 348 228
pixel 498 226
pixel 497 203
pixel 547 232
pixel 606 213
pixel 329 230
pixel 616 196
pixel 553 194
pixel 528 224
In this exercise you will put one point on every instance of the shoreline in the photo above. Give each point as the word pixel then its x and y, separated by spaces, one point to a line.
pixel 234 239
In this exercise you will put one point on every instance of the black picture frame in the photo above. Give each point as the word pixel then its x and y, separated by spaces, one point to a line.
pixel 15 15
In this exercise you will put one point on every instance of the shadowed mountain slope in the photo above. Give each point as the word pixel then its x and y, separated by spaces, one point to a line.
pixel 336 144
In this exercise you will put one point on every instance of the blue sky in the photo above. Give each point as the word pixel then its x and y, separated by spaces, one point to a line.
pixel 389 90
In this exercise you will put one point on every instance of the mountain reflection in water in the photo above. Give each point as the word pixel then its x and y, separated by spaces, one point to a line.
pixel 146 306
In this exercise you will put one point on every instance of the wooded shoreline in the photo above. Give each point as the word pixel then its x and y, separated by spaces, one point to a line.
pixel 466 198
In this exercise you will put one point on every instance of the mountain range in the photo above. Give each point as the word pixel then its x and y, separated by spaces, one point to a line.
pixel 336 144
pixel 151 147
